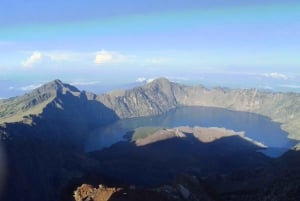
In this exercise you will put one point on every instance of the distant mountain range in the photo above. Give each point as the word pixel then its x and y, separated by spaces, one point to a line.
pixel 43 134
pixel 154 98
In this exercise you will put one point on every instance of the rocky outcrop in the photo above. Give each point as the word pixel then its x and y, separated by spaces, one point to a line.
pixel 184 187
pixel 188 187
pixel 87 192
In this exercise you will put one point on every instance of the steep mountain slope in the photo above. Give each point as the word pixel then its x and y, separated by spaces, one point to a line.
pixel 154 98
pixel 13 109
pixel 161 95
pixel 44 147
pixel 156 161
pixel 55 108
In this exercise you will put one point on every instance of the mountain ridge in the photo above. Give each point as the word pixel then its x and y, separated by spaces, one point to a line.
pixel 158 97
pixel 33 103
pixel 53 122
pixel 162 95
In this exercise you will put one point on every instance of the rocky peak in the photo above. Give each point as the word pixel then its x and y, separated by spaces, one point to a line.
pixel 33 103
pixel 87 192
pixel 161 80
pixel 55 86
pixel 151 99
pixel 162 83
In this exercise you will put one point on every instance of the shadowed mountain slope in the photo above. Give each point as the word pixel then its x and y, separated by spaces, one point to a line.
pixel 53 109
pixel 44 147
pixel 13 109
pixel 160 160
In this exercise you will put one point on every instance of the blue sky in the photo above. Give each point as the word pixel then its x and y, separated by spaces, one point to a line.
pixel 216 42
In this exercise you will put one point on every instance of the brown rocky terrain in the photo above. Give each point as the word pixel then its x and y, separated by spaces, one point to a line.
pixel 183 187
pixel 87 192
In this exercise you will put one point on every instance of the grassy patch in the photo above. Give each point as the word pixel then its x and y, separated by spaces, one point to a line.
pixel 143 132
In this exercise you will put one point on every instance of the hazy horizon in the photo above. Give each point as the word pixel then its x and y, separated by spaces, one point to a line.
pixel 99 45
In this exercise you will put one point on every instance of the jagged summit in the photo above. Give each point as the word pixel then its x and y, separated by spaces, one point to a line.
pixel 56 86
pixel 33 102
pixel 153 98
pixel 159 81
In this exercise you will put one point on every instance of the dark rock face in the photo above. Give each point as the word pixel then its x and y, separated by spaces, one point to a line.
pixel 280 180
pixel 158 162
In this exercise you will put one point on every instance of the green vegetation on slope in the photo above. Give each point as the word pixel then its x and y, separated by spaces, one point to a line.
pixel 143 132
pixel 15 115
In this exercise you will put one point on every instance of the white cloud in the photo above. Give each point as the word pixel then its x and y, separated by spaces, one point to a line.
pixel 144 80
pixel 33 59
pixel 85 83
pixel 25 88
pixel 276 75
pixel 141 79
pixel 100 57
pixel 104 56
pixel 150 80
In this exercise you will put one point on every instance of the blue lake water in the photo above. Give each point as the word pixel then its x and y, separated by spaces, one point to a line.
pixel 257 127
